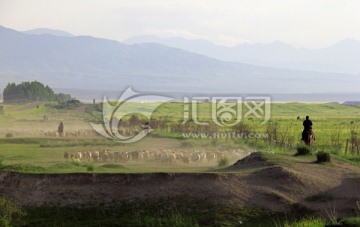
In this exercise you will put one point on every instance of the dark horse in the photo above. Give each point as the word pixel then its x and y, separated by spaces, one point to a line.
pixel 308 137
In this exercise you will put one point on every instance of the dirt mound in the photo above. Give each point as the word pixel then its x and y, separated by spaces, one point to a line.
pixel 280 174
pixel 74 189
pixel 252 161
pixel 277 187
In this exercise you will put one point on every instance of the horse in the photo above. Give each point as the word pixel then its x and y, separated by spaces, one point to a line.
pixel 309 137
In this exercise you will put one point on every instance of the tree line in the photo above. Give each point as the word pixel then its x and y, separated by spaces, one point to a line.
pixel 30 92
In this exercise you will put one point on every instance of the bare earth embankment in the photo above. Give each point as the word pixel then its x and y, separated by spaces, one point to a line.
pixel 262 181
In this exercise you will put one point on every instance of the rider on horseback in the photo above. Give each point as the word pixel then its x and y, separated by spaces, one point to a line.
pixel 307 128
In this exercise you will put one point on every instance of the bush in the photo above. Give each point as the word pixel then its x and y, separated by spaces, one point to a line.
pixel 223 162
pixel 9 211
pixel 68 105
pixel 303 150
pixel 352 221
pixel 9 135
pixel 312 221
pixel 90 167
pixel 323 157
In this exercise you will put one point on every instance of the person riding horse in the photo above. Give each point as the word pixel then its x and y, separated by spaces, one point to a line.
pixel 307 130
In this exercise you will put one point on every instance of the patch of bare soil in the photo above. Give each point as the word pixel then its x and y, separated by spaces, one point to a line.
pixel 277 187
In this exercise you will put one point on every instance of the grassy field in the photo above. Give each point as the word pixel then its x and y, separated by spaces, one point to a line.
pixel 25 146
pixel 34 156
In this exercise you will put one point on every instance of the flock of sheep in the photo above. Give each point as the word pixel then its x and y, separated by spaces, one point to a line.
pixel 169 157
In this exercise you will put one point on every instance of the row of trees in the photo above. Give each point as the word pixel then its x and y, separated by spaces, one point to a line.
pixel 31 91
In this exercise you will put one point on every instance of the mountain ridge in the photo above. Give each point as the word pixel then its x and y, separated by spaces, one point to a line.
pixel 48 31
pixel 339 57
pixel 94 63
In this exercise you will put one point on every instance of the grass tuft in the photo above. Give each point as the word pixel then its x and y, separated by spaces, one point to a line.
pixel 351 221
pixel 303 149
pixel 322 156
pixel 9 212
pixel 223 162
pixel 90 167
pixel 305 222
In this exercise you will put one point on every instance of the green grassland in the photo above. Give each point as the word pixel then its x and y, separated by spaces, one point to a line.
pixel 27 149
pixel 24 147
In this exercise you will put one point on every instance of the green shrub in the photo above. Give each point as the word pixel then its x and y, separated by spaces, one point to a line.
pixel 303 150
pixel 322 156
pixel 355 159
pixel 9 135
pixel 223 162
pixel 351 222
pixel 68 105
pixel 90 167
pixel 9 212
pixel 313 222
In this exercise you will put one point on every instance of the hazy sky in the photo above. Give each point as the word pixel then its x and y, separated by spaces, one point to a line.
pixel 302 23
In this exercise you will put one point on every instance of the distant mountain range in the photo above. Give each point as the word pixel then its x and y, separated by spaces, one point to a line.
pixel 342 57
pixel 92 63
pixel 44 31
